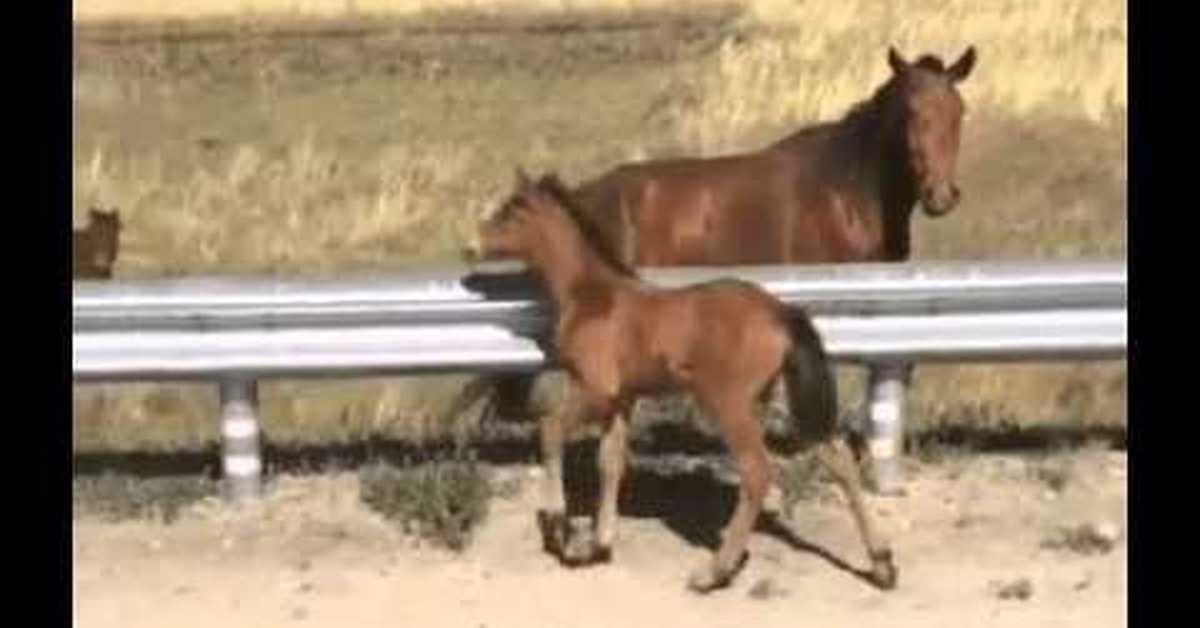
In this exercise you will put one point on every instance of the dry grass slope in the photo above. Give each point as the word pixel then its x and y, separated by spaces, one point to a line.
pixel 1065 58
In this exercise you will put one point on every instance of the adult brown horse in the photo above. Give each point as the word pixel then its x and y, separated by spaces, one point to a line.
pixel 618 338
pixel 831 193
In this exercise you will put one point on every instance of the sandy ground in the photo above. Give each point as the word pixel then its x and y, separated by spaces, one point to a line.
pixel 312 555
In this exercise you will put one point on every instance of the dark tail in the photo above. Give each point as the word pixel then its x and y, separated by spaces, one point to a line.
pixel 811 384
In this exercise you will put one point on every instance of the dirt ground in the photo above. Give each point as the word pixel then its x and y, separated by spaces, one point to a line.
pixel 311 554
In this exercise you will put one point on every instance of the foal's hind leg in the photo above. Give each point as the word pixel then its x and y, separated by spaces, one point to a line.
pixel 835 455
pixel 744 436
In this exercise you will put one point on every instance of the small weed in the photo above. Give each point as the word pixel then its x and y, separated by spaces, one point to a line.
pixel 442 500
pixel 1086 539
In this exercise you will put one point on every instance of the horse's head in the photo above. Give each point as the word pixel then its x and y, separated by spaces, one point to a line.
pixel 932 114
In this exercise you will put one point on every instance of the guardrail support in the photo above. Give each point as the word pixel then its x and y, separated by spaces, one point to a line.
pixel 241 458
pixel 887 397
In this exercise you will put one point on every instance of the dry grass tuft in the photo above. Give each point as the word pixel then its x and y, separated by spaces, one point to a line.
pixel 442 500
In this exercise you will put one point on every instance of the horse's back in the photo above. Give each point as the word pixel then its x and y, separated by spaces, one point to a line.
pixel 722 210
pixel 686 174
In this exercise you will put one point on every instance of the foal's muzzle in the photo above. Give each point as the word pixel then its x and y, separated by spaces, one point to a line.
pixel 472 252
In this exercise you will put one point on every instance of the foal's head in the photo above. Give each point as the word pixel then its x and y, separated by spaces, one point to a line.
pixel 509 232
pixel 932 113
pixel 539 221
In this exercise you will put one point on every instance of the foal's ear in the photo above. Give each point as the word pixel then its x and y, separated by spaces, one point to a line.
pixel 523 180
pixel 899 65
pixel 552 183
pixel 962 68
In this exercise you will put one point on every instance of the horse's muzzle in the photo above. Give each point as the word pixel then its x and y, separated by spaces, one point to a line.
pixel 938 201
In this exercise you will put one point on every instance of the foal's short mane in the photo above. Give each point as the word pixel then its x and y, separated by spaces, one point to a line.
pixel 595 238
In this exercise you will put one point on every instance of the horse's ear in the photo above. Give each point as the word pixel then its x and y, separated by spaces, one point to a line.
pixel 962 68
pixel 899 65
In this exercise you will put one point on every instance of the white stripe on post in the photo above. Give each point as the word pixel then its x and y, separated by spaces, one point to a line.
pixel 888 396
pixel 242 461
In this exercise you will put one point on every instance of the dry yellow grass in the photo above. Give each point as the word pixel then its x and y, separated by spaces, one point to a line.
pixel 1066 58
pixel 298 211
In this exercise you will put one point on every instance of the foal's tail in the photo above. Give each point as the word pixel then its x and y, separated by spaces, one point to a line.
pixel 811 385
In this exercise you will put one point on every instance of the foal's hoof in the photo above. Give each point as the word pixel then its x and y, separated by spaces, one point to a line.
pixel 706 580
pixel 584 554
pixel 711 577
pixel 553 526
pixel 582 548
pixel 884 572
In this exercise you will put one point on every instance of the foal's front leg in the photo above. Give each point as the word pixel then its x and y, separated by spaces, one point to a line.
pixel 552 518
pixel 612 469
pixel 595 544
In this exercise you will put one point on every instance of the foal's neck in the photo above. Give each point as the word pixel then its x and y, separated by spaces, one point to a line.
pixel 572 269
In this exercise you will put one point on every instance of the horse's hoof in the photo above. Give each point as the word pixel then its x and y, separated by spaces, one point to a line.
pixel 884 572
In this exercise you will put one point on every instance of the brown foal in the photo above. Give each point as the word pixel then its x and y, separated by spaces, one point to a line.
pixel 619 338
pixel 94 248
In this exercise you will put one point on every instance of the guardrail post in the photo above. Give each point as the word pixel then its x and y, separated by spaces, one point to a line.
pixel 241 460
pixel 887 398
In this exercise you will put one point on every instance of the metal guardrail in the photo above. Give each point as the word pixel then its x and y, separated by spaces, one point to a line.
pixel 238 330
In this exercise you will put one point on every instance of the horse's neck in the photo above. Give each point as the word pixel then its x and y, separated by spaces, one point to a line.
pixel 863 155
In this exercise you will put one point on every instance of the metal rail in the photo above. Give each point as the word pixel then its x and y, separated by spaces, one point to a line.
pixel 237 330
